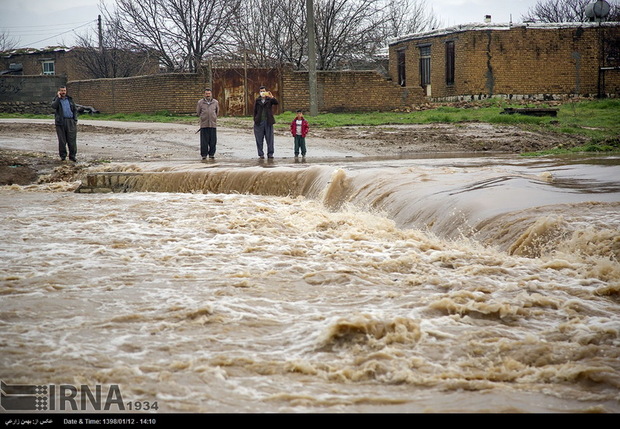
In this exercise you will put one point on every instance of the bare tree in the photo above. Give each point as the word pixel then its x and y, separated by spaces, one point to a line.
pixel 400 17
pixel 407 17
pixel 182 31
pixel 565 11
pixel 7 42
pixel 265 33
pixel 269 32
pixel 353 30
pixel 290 35
pixel 109 57
pixel 344 30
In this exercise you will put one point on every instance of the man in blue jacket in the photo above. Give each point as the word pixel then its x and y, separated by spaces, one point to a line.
pixel 65 116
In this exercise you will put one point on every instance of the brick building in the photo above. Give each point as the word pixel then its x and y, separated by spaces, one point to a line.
pixel 67 62
pixel 529 60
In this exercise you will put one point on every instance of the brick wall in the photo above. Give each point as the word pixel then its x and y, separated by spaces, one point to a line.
pixel 178 93
pixel 174 92
pixel 347 91
pixel 516 61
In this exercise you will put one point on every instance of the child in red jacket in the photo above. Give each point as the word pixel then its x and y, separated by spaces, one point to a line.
pixel 299 130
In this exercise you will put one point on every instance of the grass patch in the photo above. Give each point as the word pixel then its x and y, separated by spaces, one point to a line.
pixel 517 119
pixel 24 116
pixel 595 146
pixel 163 116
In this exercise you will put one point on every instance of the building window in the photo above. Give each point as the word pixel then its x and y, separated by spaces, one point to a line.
pixel 425 65
pixel 402 80
pixel 612 52
pixel 450 63
pixel 48 67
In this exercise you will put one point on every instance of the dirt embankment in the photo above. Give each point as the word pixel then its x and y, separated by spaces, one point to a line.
pixel 25 168
pixel 28 148
pixel 466 137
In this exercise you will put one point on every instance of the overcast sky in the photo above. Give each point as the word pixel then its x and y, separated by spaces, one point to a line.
pixel 41 23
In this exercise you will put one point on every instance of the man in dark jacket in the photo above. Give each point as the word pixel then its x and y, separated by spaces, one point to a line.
pixel 65 116
pixel 263 122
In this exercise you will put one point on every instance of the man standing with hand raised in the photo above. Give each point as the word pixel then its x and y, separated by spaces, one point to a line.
pixel 65 117
pixel 263 122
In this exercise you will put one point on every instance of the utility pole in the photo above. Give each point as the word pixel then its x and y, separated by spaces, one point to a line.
pixel 312 85
pixel 245 82
pixel 100 30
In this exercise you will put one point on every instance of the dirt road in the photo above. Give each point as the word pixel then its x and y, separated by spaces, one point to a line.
pixel 28 147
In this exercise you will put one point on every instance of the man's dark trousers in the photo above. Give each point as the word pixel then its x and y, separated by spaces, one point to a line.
pixel 67 137
pixel 208 140
pixel 264 131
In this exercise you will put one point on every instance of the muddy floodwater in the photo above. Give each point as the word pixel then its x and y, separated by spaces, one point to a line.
pixel 427 284
pixel 437 285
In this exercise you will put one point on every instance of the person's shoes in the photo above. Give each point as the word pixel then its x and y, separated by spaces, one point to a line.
pixel 211 157
pixel 261 157
pixel 204 157
pixel 63 158
pixel 73 159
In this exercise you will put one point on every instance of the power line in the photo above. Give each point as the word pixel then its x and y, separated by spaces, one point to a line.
pixel 65 32
pixel 39 33
pixel 66 24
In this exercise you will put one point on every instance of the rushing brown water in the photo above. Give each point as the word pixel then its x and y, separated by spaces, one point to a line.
pixel 438 285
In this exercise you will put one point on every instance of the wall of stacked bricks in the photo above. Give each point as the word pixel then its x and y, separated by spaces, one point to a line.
pixel 519 62
pixel 347 91
pixel 178 93
pixel 175 93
